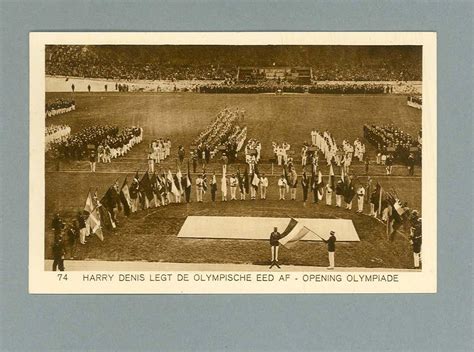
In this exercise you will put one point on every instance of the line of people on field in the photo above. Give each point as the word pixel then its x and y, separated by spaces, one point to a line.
pixel 160 149
pixel 119 145
pixel 55 134
pixel 281 152
pixel 59 106
pixel 391 140
pixel 224 134
pixel 97 143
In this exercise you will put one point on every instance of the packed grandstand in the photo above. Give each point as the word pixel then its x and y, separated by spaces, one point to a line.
pixel 175 63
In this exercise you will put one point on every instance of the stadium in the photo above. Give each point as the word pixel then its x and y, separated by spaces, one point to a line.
pixel 102 98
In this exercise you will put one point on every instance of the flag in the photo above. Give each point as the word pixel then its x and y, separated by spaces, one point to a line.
pixel 294 236
pixel 146 190
pixel 320 186
pixel 173 188
pixel 155 187
pixel 255 180
pixel 93 219
pixel 204 182
pixel 125 197
pixel 179 176
pixel 289 227
pixel 108 202
pixel 293 233
pixel 246 181
pixel 395 216
pixel 106 220
pixel 189 181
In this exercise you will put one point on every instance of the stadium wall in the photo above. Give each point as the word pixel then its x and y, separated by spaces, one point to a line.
pixel 63 84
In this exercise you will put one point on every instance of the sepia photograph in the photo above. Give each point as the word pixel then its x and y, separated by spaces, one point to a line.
pixel 230 158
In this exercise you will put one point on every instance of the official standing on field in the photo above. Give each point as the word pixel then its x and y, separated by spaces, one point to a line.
pixel 331 242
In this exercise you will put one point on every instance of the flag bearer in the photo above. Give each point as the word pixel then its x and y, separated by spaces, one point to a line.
pixel 331 242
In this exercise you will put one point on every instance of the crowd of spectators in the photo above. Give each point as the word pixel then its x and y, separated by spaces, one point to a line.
pixel 222 62
pixel 94 62
pixel 394 142
pixel 59 106
pixel 318 88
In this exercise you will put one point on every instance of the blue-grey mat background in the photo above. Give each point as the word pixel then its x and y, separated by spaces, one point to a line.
pixel 441 321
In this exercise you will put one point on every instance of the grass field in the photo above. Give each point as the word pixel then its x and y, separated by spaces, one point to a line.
pixel 151 234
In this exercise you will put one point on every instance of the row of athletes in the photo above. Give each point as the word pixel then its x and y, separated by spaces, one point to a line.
pixel 238 187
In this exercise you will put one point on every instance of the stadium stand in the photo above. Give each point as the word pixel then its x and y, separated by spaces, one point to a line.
pixel 305 65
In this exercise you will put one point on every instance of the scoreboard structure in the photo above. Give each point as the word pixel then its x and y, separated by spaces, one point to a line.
pixel 300 75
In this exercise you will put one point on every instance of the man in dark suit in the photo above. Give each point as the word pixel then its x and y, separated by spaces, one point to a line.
pixel 274 244
pixel 331 242
pixel 416 242
pixel 59 252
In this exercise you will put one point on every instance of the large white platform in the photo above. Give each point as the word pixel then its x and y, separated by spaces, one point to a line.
pixel 259 228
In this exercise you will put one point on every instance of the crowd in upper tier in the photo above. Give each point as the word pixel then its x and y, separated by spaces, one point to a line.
pixel 222 62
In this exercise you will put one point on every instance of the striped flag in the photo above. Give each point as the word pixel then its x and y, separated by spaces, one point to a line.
pixel 174 189
pixel 293 233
